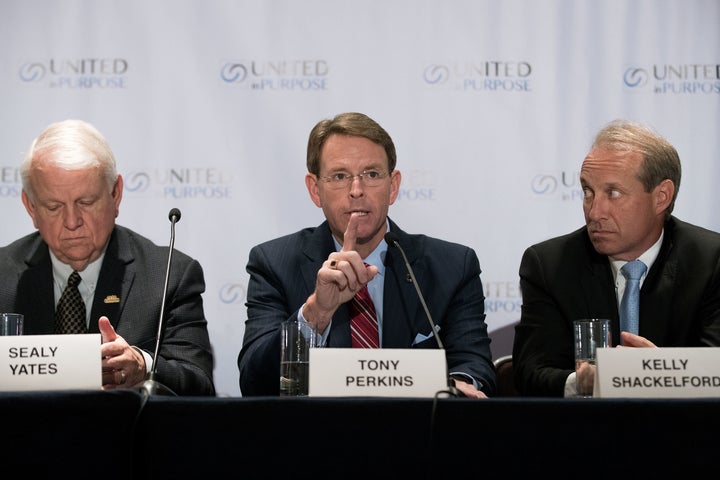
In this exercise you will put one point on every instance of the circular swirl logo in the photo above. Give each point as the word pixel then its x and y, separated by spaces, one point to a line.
pixel 232 293
pixel 137 182
pixel 233 73
pixel 544 184
pixel 436 74
pixel 32 72
pixel 635 77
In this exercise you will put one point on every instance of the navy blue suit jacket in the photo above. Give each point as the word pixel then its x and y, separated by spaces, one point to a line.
pixel 564 279
pixel 282 276
pixel 129 292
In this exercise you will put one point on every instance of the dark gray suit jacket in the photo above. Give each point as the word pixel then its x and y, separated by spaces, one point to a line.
pixel 564 279
pixel 282 276
pixel 129 292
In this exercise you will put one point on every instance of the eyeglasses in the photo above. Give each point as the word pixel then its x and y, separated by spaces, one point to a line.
pixel 369 178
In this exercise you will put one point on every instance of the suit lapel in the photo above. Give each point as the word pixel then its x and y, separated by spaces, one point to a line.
pixel 316 249
pixel 656 293
pixel 402 315
pixel 35 294
pixel 114 282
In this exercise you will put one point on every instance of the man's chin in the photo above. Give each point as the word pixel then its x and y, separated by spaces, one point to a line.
pixel 365 236
pixel 74 254
pixel 603 247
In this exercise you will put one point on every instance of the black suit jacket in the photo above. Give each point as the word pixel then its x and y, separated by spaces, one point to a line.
pixel 282 276
pixel 564 279
pixel 129 292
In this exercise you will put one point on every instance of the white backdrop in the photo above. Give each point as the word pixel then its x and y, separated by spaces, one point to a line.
pixel 492 105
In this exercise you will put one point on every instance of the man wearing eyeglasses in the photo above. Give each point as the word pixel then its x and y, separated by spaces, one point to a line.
pixel 314 274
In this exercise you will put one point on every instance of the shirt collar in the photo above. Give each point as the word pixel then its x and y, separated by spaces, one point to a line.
pixel 62 271
pixel 648 257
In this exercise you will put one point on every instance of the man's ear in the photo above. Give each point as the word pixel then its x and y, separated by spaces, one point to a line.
pixel 311 182
pixel 29 207
pixel 664 193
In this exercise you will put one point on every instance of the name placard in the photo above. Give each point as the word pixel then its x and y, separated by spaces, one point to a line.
pixel 377 372
pixel 50 362
pixel 657 372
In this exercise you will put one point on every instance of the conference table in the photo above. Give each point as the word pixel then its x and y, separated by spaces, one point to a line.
pixel 126 434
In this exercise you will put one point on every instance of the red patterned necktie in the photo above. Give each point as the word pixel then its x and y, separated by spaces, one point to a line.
pixel 70 313
pixel 363 321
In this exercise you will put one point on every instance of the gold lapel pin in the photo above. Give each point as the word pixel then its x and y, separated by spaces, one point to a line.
pixel 112 299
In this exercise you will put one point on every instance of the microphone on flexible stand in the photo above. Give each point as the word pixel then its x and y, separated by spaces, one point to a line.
pixel 393 240
pixel 151 386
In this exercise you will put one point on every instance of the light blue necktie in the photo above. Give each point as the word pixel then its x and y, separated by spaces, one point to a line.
pixel 630 305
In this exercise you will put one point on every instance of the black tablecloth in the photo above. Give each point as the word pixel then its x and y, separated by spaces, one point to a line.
pixel 118 435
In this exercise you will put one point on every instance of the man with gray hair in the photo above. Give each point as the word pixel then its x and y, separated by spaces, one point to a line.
pixel 630 181
pixel 72 192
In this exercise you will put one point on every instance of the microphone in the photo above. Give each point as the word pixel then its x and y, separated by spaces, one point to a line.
pixel 392 239
pixel 151 386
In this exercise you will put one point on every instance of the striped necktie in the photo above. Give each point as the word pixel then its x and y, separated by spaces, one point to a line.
pixel 70 313
pixel 363 321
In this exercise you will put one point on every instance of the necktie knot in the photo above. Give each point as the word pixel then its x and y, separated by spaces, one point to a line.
pixel 74 279
pixel 633 270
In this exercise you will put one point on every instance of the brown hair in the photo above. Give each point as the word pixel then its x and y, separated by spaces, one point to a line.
pixel 353 124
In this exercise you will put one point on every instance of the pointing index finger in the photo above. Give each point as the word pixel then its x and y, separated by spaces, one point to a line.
pixel 350 235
